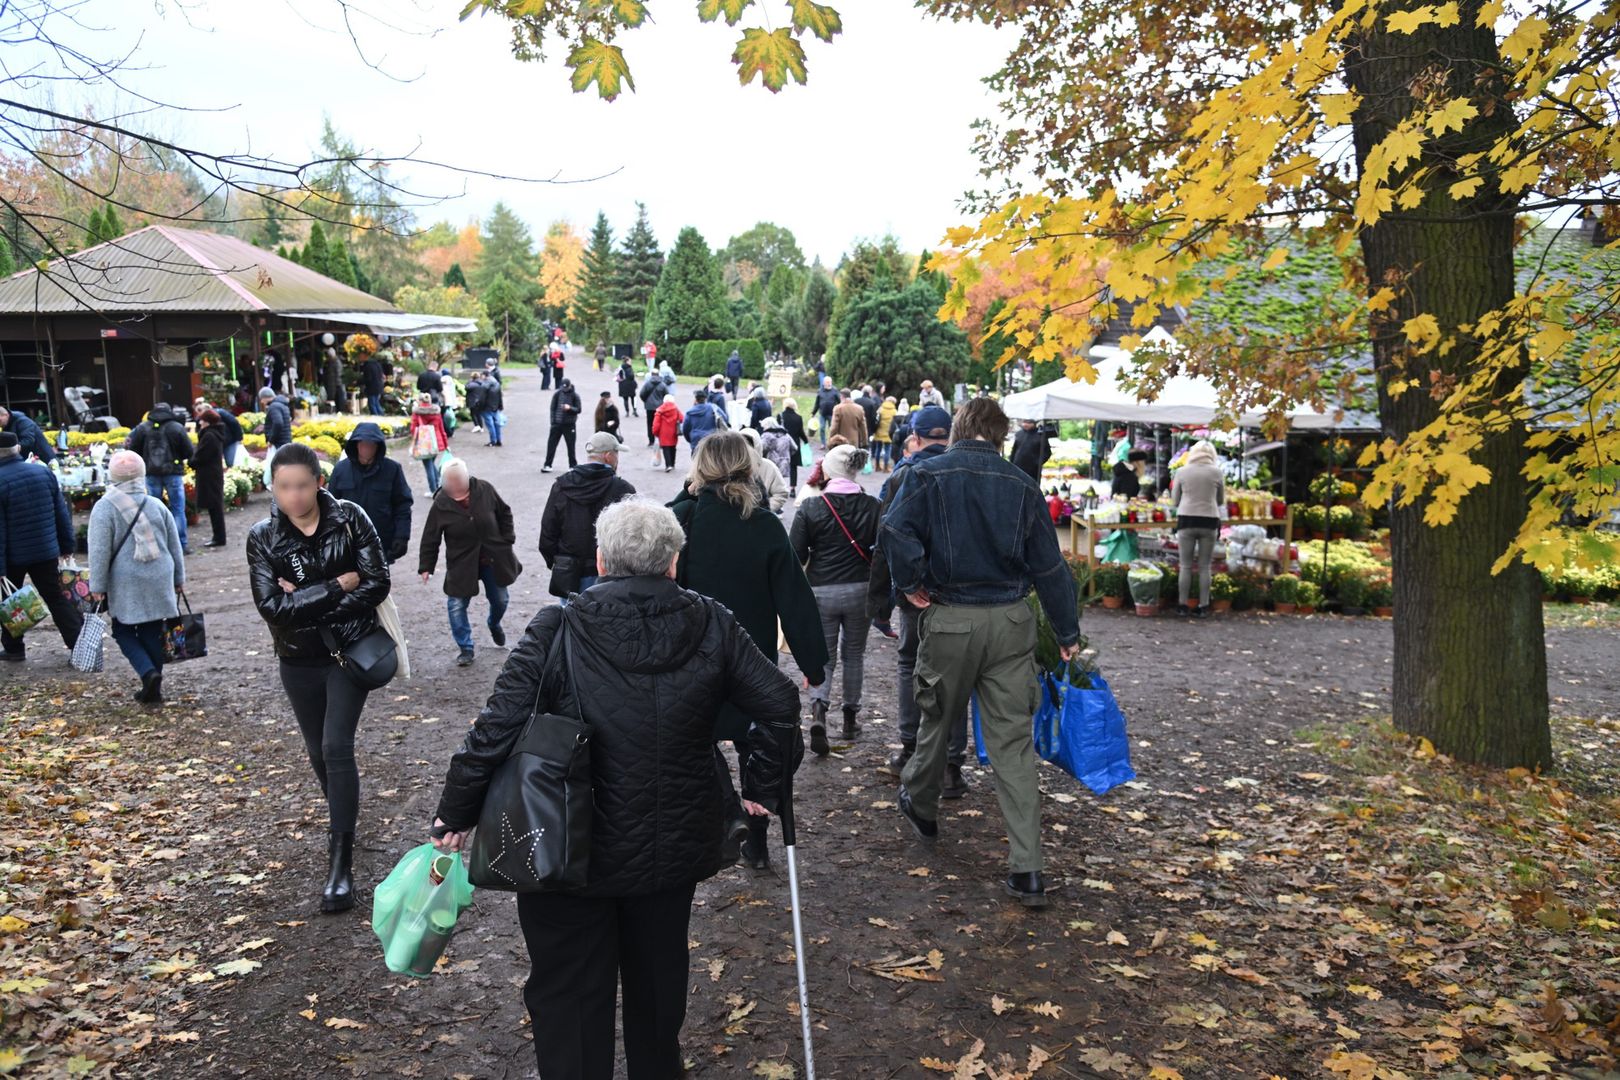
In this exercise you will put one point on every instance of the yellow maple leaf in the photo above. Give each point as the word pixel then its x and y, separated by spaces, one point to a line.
pixel 1453 114
pixel 709 10
pixel 772 55
pixel 598 62
pixel 1338 108
pixel 1406 22
pixel 819 19
pixel 1464 189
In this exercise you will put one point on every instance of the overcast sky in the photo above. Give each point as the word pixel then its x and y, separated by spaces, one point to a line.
pixel 879 140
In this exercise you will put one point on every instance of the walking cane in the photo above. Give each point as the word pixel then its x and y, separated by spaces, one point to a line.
pixel 788 838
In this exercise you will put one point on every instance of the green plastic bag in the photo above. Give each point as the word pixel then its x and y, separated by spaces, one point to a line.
pixel 414 910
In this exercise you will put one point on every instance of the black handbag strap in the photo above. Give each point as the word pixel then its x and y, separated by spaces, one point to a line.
pixel 559 644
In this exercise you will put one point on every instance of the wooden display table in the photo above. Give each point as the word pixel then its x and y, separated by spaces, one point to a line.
pixel 1083 530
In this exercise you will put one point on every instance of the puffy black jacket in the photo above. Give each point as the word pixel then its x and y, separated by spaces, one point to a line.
pixel 654 664
pixel 829 557
pixel 278 422
pixel 565 397
pixel 380 489
pixel 343 541
pixel 162 442
pixel 577 499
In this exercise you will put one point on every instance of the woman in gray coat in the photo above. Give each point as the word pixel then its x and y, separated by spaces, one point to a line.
pixel 137 567
pixel 1199 495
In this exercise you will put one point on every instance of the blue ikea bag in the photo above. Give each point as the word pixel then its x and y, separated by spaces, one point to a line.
pixel 1081 730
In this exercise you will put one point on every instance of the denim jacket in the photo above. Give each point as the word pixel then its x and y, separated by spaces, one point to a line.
pixel 970 528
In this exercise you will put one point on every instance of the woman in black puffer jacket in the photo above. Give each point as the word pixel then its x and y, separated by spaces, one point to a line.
pixel 316 564
pixel 654 664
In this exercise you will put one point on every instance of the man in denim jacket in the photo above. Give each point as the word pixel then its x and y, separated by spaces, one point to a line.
pixel 966 539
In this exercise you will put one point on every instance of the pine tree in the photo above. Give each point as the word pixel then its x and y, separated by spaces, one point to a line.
pixel 689 303
pixel 455 277
pixel 596 282
pixel 315 251
pixel 640 264
pixel 362 280
pixel 508 253
pixel 111 227
pixel 8 264
pixel 339 266
pixel 92 229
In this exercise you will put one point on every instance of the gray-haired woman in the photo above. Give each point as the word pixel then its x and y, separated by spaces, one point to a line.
pixel 138 567
pixel 1199 495
pixel 653 664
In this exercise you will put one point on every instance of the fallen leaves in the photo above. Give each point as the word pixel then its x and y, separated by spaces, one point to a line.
pixel 237 967
pixel 922 968
pixel 343 1023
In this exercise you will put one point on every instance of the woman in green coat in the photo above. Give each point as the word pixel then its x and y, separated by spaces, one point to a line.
pixel 738 553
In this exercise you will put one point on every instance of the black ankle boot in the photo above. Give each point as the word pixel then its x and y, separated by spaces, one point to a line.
pixel 339 892
pixel 731 841
pixel 818 729
pixel 755 851
pixel 851 728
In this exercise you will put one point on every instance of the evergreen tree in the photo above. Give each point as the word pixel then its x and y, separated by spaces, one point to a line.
pixel 511 315
pixel 316 256
pixel 596 282
pixel 341 266
pixel 8 263
pixel 778 332
pixel 811 315
pixel 690 302
pixel 508 253
pixel 362 280
pixel 454 276
pixel 896 336
pixel 270 233
pixel 111 227
pixel 92 228
pixel 879 265
pixel 636 277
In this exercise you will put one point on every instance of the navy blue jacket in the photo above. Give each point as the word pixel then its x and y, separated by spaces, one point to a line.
pixel 734 366
pixel 30 439
pixel 380 489
pixel 971 528
pixel 36 524
pixel 278 422
pixel 700 421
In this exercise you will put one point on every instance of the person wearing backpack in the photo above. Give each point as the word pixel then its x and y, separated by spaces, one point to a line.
pixel 163 444
pixel 833 536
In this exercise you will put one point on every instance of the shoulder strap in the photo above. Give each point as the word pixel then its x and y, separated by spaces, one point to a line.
pixel 848 535
pixel 140 508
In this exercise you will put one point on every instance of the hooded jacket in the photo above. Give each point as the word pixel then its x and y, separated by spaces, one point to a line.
pixel 734 366
pixel 627 379
pixel 371 377
pixel 277 423
pixel 777 446
pixel 702 420
pixel 36 524
pixel 655 389
pixel 577 499
pixel 30 439
pixel 759 410
pixel 666 423
pixel 343 541
pixel 162 442
pixel 481 530
pixel 654 663
pixel 564 399
pixel 380 489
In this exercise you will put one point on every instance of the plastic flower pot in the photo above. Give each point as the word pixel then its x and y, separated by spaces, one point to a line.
pixel 1283 609
pixel 1147 611
pixel 1220 607
pixel 1305 609
pixel 1384 612
pixel 1113 603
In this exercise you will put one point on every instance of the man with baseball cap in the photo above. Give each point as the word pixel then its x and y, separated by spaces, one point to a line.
pixel 577 499
pixel 931 427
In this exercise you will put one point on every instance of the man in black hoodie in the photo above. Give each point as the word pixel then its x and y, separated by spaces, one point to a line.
pixel 163 444
pixel 577 499
pixel 369 478
pixel 565 410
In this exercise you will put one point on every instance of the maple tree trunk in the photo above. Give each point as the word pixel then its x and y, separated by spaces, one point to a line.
pixel 1470 663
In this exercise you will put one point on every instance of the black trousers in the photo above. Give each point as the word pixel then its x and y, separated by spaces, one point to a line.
pixel 669 456
pixel 580 949
pixel 564 435
pixel 328 704
pixel 215 508
pixel 69 620
pixel 649 425
pixel 629 404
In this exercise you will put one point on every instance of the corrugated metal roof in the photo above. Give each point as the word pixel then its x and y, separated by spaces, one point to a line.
pixel 163 268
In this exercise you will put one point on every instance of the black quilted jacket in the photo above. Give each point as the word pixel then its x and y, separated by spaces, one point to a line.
pixel 654 663
pixel 344 541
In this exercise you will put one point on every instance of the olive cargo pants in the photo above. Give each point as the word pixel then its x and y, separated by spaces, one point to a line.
pixel 990 650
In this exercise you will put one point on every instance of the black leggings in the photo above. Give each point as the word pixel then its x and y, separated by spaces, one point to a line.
pixel 564 435
pixel 669 456
pixel 629 404
pixel 327 704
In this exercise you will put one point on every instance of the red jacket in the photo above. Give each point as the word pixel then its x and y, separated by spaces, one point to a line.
pixel 667 423
pixel 433 420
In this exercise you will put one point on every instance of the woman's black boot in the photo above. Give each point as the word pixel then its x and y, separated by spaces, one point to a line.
pixel 851 728
pixel 818 729
pixel 339 892
pixel 755 851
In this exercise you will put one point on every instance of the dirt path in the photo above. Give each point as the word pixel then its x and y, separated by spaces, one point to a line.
pixel 1214 709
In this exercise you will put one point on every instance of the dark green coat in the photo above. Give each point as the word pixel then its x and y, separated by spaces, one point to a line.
pixel 749 566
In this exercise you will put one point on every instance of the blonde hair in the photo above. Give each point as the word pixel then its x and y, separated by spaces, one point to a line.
pixel 724 463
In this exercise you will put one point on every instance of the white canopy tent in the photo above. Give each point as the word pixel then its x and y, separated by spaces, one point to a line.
pixel 1185 401
pixel 393 323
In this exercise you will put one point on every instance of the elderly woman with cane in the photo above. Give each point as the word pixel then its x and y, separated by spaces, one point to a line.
pixel 646 665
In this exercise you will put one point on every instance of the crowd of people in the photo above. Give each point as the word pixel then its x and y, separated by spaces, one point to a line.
pixel 676 617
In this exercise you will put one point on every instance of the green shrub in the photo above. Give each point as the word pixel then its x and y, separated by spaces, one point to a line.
pixel 1355 590
pixel 1311 518
pixel 1308 594
pixel 1285 589
pixel 1251 587
pixel 753 358
pixel 1111 580
pixel 1222 587
pixel 1170 584
pixel 1380 590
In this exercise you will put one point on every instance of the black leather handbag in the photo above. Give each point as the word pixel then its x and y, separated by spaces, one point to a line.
pixel 566 574
pixel 534 832
pixel 371 662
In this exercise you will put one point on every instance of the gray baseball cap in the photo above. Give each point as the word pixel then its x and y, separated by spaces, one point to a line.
pixel 604 442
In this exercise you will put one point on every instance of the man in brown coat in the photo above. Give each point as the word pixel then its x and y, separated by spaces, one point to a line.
pixel 474 524
pixel 848 420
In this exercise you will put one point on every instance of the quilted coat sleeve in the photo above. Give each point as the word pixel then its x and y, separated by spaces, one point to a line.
pixel 499 723
pixel 301 607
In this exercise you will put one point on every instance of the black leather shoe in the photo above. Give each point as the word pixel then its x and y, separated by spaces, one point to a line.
pixel 927 831
pixel 852 730
pixel 497 635
pixel 897 760
pixel 464 658
pixel 1028 888
pixel 339 892
pixel 956 785
pixel 731 842
pixel 818 729
pixel 756 851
